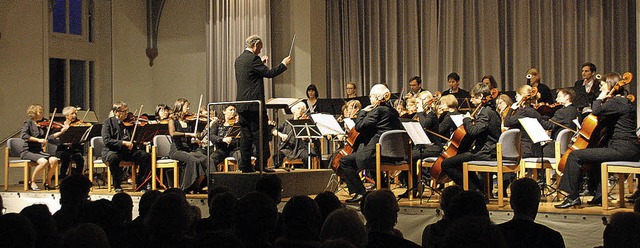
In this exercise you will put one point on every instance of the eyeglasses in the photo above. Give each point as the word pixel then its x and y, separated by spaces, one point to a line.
pixel 122 110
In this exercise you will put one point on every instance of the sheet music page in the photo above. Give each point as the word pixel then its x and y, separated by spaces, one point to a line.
pixel 349 122
pixel 416 133
pixel 327 124
pixel 457 119
pixel 577 123
pixel 534 129
pixel 283 101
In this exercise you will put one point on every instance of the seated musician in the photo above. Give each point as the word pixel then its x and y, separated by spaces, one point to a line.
pixel 429 121
pixel 349 110
pixel 564 116
pixel 70 152
pixel 448 106
pixel 503 102
pixel 312 99
pixel 371 122
pixel 186 151
pixel 454 87
pixel 533 80
pixel 292 147
pixel 162 113
pixel 34 135
pixel 622 143
pixel 118 146
pixel 350 91
pixel 415 87
pixel 485 131
pixel 521 109
pixel 225 146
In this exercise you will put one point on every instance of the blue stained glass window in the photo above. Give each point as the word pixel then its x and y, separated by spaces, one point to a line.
pixel 75 17
pixel 60 16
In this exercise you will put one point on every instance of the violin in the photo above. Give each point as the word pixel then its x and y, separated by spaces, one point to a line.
pixel 131 120
pixel 79 123
pixel 44 123
pixel 547 109
pixel 194 117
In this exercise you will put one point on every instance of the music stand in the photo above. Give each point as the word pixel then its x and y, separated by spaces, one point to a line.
pixel 148 131
pixel 280 103
pixel 305 129
pixel 538 135
pixel 418 137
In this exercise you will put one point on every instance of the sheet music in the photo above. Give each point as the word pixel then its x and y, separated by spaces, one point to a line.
pixel 416 133
pixel 534 129
pixel 283 101
pixel 327 124
pixel 457 119
pixel 349 122
pixel 577 123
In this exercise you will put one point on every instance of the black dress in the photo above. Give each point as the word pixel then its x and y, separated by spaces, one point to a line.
pixel 33 150
pixel 195 163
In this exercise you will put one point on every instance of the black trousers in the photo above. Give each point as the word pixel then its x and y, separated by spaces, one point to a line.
pixel 352 164
pixel 195 165
pixel 140 157
pixel 68 153
pixel 618 150
pixel 452 167
pixel 250 136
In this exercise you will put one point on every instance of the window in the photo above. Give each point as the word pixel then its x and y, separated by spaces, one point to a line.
pixel 70 83
pixel 68 17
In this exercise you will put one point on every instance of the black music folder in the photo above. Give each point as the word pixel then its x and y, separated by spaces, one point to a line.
pixel 75 135
pixel 145 133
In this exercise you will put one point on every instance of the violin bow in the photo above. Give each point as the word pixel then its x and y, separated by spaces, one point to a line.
pixel 135 125
pixel 562 126
pixel 195 130
pixel 85 115
pixel 46 136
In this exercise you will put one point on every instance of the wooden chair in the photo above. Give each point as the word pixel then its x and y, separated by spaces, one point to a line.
pixel 508 152
pixel 12 160
pixel 546 163
pixel 95 161
pixel 160 149
pixel 231 162
pixel 395 146
pixel 622 169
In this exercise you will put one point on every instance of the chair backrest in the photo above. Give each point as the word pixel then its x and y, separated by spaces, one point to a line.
pixel 15 146
pixel 163 145
pixel 98 144
pixel 564 137
pixel 395 144
pixel 511 146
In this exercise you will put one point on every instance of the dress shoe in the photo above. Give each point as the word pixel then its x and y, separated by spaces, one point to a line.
pixel 248 170
pixel 568 202
pixel 596 201
pixel 269 170
pixel 356 198
pixel 118 190
pixel 47 187
pixel 634 196
pixel 33 186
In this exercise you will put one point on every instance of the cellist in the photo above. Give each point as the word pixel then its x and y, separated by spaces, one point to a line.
pixel 617 115
pixel 485 130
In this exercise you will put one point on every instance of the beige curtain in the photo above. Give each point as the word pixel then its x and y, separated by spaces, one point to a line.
pixel 230 22
pixel 391 41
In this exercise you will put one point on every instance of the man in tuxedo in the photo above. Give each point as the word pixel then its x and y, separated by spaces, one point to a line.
pixel 250 71
pixel 118 146
pixel 586 88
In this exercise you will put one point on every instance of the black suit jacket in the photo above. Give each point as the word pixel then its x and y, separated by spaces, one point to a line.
pixel 582 98
pixel 545 94
pixel 371 125
pixel 564 116
pixel 250 72
pixel 113 133
pixel 485 130
pixel 526 233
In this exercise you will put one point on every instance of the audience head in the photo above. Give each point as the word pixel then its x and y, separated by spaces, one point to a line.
pixel 74 190
pixel 222 210
pixel 270 185
pixel 447 196
pixel 256 216
pixel 123 205
pixel 467 203
pixel 301 218
pixel 86 235
pixel 16 230
pixel 167 219
pixel 473 231
pixel 636 206
pixel 146 200
pixel 217 189
pixel 525 197
pixel 623 230
pixel 176 191
pixel 327 202
pixel 381 210
pixel 42 221
pixel 218 239
pixel 337 243
pixel 346 224
pixel 100 212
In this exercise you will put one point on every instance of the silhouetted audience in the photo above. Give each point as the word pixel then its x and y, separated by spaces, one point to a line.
pixel 327 202
pixel 270 185
pixel 74 193
pixel 467 204
pixel 218 239
pixel 256 219
pixel 46 230
pixel 302 222
pixel 86 235
pixel 522 231
pixel 474 231
pixel 337 243
pixel 17 231
pixel 134 234
pixel 124 206
pixel 344 224
pixel 623 230
pixel 433 234
pixel 167 222
pixel 102 213
pixel 636 207
pixel 221 214
pixel 381 211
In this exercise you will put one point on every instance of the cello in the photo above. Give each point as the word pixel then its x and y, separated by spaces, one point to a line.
pixel 459 141
pixel 587 135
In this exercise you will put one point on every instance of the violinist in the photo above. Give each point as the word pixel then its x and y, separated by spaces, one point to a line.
pixel 503 102
pixel 485 130
pixel 350 91
pixel 162 113
pixel 448 106
pixel 490 81
pixel 312 98
pixel 533 80
pixel 118 146
pixel 565 116
pixel 70 152
pixel 525 98
pixel 225 146
pixel 411 107
pixel 617 115
pixel 292 147
pixel 34 131
pixel 371 122
pixel 186 151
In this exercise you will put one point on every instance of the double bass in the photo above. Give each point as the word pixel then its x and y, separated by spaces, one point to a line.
pixel 459 141
pixel 588 134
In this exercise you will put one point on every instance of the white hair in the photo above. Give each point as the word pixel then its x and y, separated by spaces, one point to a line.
pixel 379 91
pixel 252 41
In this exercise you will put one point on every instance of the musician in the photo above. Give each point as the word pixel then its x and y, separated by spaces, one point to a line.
pixel 184 150
pixel 34 135
pixel 585 88
pixel 225 146
pixel 312 99
pixel 448 107
pixel 485 130
pixel 250 71
pixel 533 80
pixel 371 122
pixel 118 146
pixel 565 116
pixel 411 107
pixel 70 152
pixel 292 147
pixel 521 109
pixel 163 112
pixel 617 115
pixel 503 102
pixel 454 87
pixel 415 87
pixel 350 91
pixel 490 81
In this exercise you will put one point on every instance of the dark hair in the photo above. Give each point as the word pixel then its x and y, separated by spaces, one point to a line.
pixel 301 218
pixel 447 195
pixel 16 230
pixel 381 210
pixel 494 84
pixel 474 231
pixel 591 66
pixel 270 185
pixel 74 189
pixel 525 196
pixel 162 106
pixel 623 230
pixel 327 202
pixel 417 78
pixel 480 88
pixel 146 200
pixel 123 205
pixel 467 203
pixel 568 92
pixel 453 76
pixel 314 88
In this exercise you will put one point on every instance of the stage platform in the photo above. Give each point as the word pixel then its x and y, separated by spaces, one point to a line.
pixel 581 227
